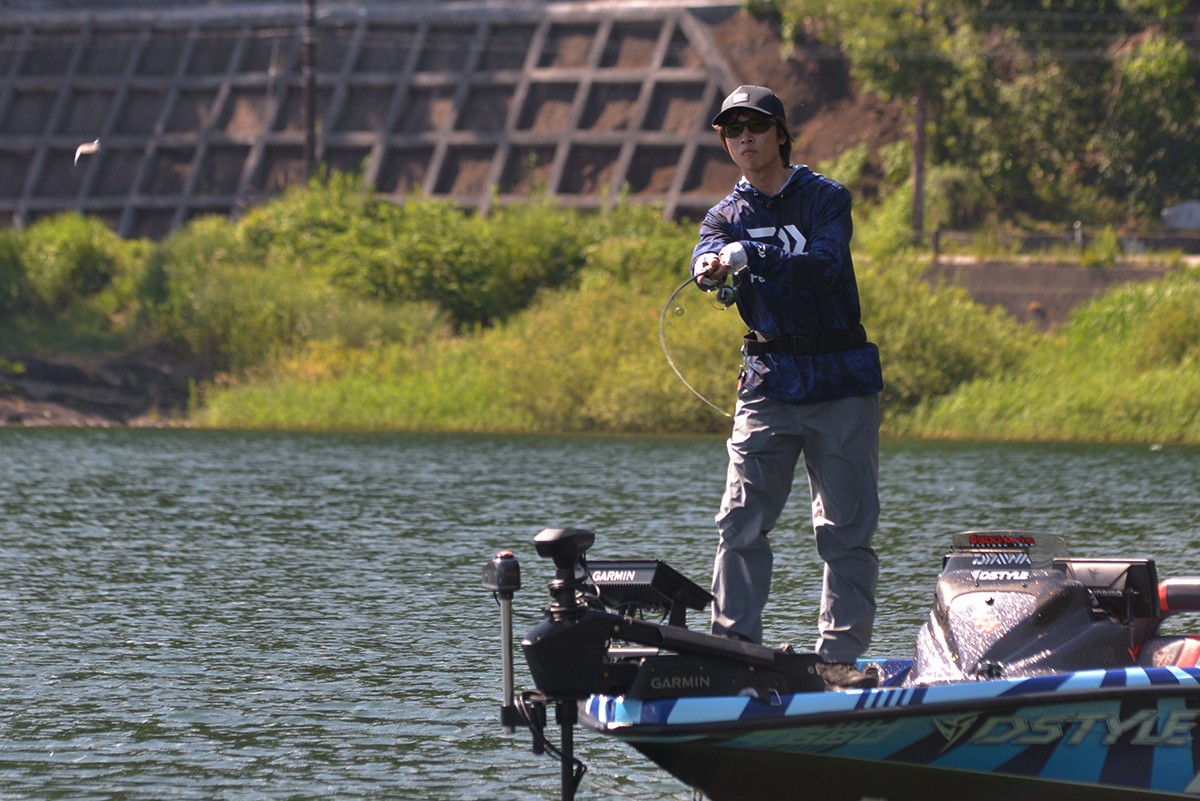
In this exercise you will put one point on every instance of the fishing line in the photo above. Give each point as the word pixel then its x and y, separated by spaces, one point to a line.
pixel 662 340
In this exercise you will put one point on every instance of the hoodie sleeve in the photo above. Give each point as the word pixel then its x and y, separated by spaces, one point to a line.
pixel 716 232
pixel 824 256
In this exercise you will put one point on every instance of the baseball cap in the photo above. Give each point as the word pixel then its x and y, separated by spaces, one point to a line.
pixel 753 98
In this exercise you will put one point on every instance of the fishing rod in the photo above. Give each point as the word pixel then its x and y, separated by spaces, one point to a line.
pixel 726 296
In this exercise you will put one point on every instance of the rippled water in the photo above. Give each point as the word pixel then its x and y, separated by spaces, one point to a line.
pixel 198 615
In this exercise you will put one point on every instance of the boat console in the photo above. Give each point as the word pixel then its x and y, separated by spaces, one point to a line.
pixel 1125 589
pixel 1012 603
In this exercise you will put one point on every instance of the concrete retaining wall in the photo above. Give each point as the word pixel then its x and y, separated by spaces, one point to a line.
pixel 198 110
pixel 1041 293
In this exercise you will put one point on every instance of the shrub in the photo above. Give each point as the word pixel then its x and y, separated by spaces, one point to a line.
pixel 335 229
pixel 587 357
pixel 478 269
pixel 1103 251
pixel 201 299
pixel 932 339
pixel 530 247
pixel 16 293
pixel 69 257
pixel 1171 331
pixel 956 199
pixel 848 167
pixel 637 252
pixel 219 301
pixel 883 231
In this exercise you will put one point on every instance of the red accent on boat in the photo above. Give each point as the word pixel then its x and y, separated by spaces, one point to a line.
pixel 1162 596
pixel 1189 654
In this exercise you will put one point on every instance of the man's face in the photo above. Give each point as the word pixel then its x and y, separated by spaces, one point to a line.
pixel 754 152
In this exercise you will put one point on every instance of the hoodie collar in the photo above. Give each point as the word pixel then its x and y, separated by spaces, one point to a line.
pixel 800 176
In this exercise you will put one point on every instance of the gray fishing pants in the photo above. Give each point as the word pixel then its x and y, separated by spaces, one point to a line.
pixel 840 443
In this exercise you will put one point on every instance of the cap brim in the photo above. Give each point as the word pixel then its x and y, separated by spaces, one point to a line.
pixel 724 115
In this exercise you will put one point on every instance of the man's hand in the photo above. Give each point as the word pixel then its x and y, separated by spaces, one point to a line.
pixel 732 257
pixel 705 269
pixel 711 269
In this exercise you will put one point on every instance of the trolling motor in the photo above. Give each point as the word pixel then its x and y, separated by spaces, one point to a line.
pixel 593 639
pixel 566 547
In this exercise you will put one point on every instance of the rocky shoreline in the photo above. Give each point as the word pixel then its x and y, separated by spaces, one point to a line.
pixel 129 391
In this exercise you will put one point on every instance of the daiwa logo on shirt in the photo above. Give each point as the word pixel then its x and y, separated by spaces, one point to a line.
pixel 789 237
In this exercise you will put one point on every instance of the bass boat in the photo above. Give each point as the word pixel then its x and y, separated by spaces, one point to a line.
pixel 1036 676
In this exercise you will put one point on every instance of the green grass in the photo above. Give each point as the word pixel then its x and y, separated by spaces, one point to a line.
pixel 581 360
pixel 588 358
pixel 1125 368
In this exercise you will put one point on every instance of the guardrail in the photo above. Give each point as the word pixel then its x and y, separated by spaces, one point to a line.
pixel 1132 243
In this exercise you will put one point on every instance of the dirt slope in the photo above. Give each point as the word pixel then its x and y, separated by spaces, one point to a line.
pixel 826 111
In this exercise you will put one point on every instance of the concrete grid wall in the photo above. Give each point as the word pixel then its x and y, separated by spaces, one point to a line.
pixel 199 111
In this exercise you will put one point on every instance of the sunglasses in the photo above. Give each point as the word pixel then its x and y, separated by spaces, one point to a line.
pixel 759 125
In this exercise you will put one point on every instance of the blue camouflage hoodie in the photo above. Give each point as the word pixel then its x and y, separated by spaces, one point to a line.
pixel 798 281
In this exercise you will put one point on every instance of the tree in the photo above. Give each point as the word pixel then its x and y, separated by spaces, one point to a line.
pixel 1064 109
pixel 899 49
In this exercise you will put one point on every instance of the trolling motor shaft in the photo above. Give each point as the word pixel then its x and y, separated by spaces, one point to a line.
pixel 502 576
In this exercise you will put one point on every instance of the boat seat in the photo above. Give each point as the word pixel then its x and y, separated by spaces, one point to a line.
pixel 1170 652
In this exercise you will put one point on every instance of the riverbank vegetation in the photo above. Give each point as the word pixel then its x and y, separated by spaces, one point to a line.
pixel 328 308
pixel 332 308
pixel 1126 368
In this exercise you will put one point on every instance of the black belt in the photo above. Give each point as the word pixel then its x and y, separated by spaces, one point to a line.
pixel 756 344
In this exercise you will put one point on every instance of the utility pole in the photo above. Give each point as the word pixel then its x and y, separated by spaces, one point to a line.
pixel 918 156
pixel 918 163
pixel 309 87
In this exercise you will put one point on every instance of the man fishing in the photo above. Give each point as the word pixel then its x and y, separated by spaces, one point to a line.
pixel 809 385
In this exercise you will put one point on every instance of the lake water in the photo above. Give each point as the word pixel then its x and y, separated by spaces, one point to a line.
pixel 200 615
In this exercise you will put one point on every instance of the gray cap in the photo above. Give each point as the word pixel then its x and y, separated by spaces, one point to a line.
pixel 752 98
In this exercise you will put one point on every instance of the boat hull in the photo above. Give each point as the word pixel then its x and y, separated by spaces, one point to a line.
pixel 1125 733
pixel 804 777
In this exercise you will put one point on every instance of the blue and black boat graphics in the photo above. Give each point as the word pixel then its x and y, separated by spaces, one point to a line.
pixel 1127 731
